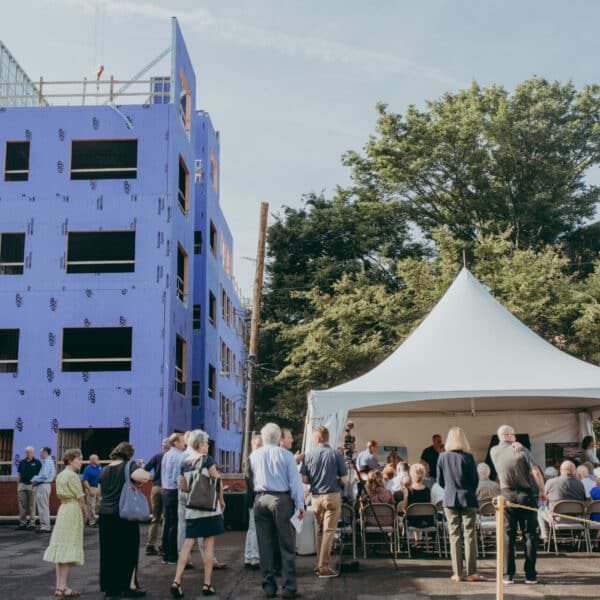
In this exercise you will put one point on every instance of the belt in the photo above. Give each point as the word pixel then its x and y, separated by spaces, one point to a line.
pixel 270 492
pixel 327 493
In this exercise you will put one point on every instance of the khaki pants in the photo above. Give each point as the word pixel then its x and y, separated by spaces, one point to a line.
pixel 42 497
pixel 463 539
pixel 157 515
pixel 26 496
pixel 327 509
pixel 92 498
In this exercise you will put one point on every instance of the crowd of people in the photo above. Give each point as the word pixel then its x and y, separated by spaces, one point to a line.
pixel 280 485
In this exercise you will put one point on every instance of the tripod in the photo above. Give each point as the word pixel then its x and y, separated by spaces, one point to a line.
pixel 363 494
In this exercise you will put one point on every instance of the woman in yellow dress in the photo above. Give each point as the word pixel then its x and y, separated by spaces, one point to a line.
pixel 66 543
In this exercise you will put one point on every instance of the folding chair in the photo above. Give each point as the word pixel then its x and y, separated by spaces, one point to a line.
pixel 423 509
pixel 443 525
pixel 486 524
pixel 383 512
pixel 593 507
pixel 346 528
pixel 565 530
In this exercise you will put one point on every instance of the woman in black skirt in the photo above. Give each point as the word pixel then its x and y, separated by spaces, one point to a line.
pixel 199 523
pixel 119 539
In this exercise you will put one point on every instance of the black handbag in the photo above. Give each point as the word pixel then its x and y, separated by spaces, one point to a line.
pixel 203 489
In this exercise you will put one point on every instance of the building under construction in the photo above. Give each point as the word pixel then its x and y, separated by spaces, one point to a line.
pixel 119 314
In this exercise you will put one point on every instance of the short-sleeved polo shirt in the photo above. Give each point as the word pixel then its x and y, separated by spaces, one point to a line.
pixel 323 466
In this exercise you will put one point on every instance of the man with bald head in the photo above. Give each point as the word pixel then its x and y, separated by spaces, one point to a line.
pixel 91 474
pixel 516 469
pixel 564 487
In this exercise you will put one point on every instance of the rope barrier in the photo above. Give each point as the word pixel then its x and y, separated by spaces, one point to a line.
pixel 500 503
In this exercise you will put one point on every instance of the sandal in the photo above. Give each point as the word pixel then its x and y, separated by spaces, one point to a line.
pixel 475 578
pixel 59 593
pixel 219 565
pixel 208 590
pixel 176 590
pixel 69 593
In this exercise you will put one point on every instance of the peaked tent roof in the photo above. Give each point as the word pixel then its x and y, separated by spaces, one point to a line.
pixel 469 346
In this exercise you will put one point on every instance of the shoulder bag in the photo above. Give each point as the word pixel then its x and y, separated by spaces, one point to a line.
pixel 203 489
pixel 133 504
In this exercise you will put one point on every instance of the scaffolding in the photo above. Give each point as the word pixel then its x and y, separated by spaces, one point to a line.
pixel 16 89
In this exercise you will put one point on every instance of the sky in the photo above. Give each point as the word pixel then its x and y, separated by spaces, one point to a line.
pixel 293 85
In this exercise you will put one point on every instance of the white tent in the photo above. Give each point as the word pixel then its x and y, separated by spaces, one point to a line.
pixel 469 363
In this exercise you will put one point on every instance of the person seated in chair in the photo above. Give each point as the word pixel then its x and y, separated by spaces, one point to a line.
pixel 416 493
pixel 388 476
pixel 583 474
pixel 378 494
pixel 487 489
pixel 564 487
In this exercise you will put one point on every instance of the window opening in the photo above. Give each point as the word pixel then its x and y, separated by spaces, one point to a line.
pixel 9 350
pixel 91 440
pixel 101 252
pixel 6 450
pixel 104 159
pixel 12 253
pixel 196 317
pixel 212 381
pixel 213 239
pixel 185 107
pixel 182 267
pixel 16 162
pixel 97 349
pixel 195 393
pixel 212 308
pixel 180 365
pixel 197 242
pixel 183 187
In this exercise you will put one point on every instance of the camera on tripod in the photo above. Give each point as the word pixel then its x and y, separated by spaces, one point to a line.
pixel 349 440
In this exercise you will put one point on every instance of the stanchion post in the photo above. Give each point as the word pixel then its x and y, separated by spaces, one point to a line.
pixel 499 503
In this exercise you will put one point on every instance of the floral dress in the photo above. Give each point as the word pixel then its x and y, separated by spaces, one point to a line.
pixel 66 542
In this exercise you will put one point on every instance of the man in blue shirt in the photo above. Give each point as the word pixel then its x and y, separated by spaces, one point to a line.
pixel 279 494
pixel 154 464
pixel 42 483
pixel 169 476
pixel 91 474
pixel 28 468
pixel 324 469
pixel 367 457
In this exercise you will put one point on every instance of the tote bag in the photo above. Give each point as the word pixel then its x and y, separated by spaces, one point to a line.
pixel 133 504
pixel 204 489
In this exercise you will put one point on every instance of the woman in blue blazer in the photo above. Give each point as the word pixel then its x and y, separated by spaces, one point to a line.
pixel 457 474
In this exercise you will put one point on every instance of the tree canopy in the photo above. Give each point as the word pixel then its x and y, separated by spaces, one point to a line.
pixel 500 177
pixel 483 160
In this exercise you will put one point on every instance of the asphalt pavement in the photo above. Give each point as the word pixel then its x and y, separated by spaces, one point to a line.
pixel 24 575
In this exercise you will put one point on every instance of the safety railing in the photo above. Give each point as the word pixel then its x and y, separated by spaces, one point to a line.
pixel 82 91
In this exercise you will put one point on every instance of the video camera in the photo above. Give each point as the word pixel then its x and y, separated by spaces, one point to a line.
pixel 349 440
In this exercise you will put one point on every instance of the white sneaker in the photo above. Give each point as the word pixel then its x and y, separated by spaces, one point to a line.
pixel 531 581
pixel 507 581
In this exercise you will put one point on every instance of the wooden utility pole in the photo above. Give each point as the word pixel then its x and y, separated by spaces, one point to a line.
pixel 254 326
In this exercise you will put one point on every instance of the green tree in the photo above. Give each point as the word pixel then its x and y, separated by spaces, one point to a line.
pixel 359 323
pixel 315 245
pixel 483 161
